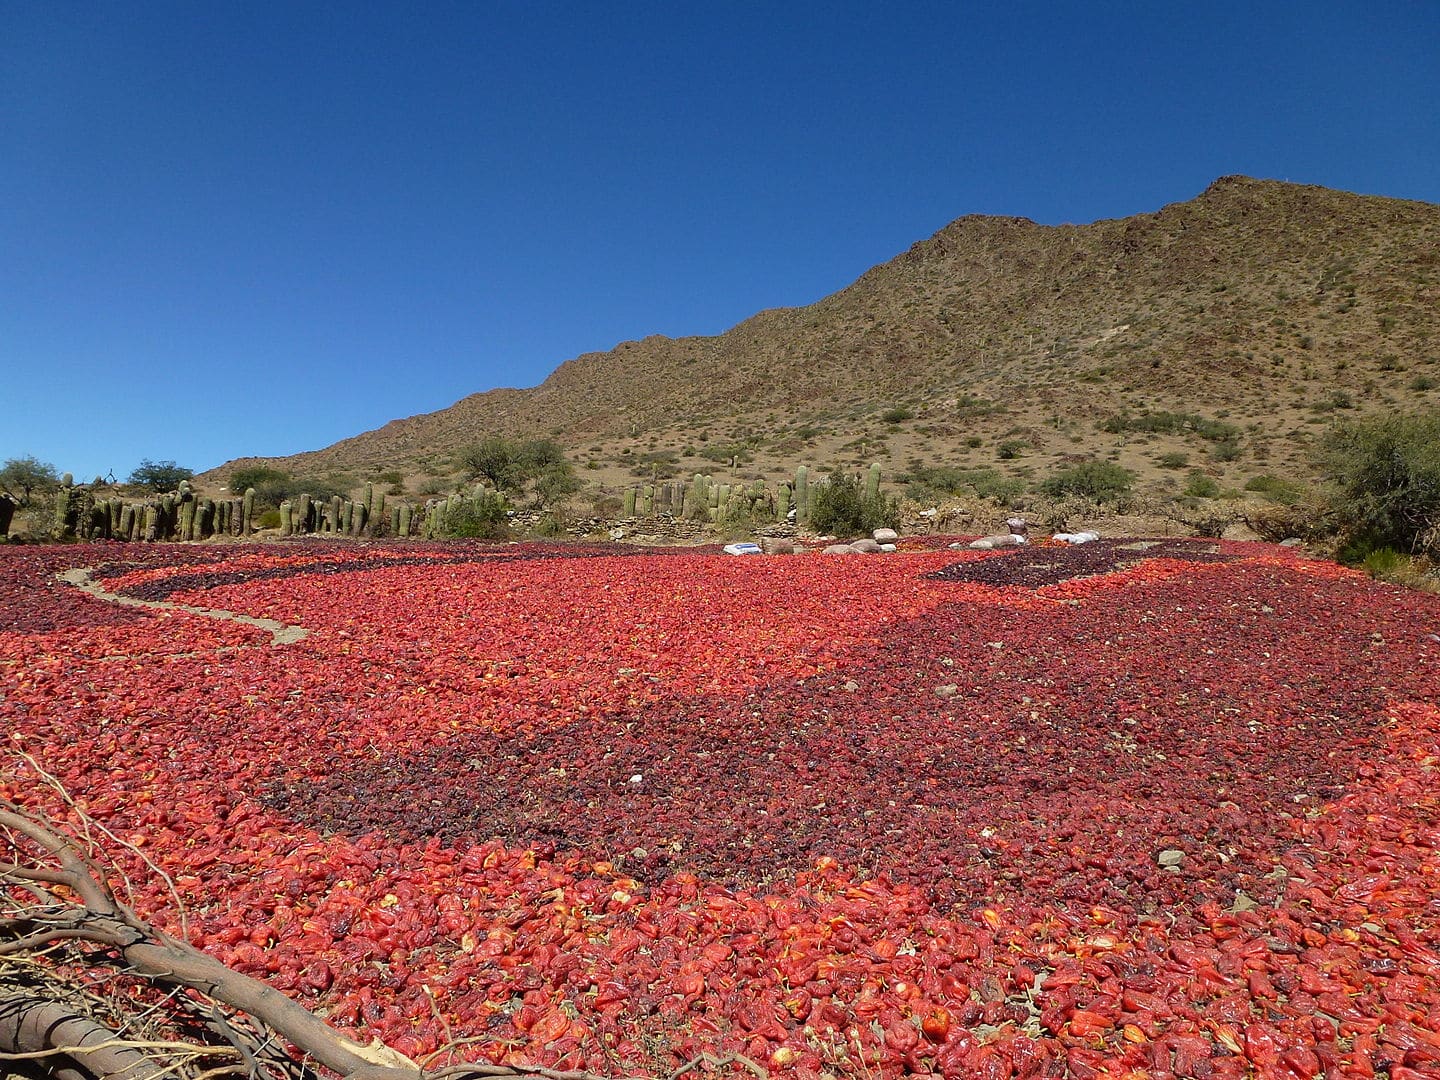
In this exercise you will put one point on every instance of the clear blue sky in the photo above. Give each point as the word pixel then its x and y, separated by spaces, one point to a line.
pixel 257 228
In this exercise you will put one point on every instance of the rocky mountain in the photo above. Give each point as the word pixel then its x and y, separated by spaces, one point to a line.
pixel 1260 309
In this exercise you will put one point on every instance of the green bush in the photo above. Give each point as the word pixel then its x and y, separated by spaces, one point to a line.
pixel 841 507
pixel 482 516
pixel 1171 423
pixel 1101 481
pixel 1387 470
pixel 897 414
pixel 925 483
pixel 257 477
pixel 1173 460
pixel 1200 486
pixel 1274 488
pixel 1010 449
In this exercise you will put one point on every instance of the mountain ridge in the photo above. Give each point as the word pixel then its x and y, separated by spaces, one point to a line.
pixel 1249 296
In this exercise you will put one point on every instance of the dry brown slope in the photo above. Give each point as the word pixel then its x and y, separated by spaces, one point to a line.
pixel 1246 298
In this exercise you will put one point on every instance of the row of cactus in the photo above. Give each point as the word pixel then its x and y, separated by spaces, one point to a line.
pixel 86 513
pixel 83 512
pixel 705 499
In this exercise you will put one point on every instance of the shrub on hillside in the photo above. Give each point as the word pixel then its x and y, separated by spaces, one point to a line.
pixel 1100 481
pixel 928 484
pixel 1387 471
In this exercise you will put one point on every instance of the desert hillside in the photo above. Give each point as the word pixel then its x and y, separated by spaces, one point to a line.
pixel 1255 314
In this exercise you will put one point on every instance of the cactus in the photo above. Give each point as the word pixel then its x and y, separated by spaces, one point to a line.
pixel 802 495
pixel 205 518
pixel 629 503
pixel 358 519
pixel 872 483
pixel 187 517
pixel 67 480
pixel 152 521
pixel 369 500
pixel 247 512
pixel 302 514
pixel 287 521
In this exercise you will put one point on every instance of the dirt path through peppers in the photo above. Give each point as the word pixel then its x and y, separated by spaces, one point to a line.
pixel 280 633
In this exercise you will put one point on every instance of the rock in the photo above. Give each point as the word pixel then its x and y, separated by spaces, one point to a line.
pixel 774 545
pixel 866 547
pixel 1292 541
pixel 888 548
pixel 1240 531
pixel 999 540
pixel 838 549
pixel 1243 902
pixel 1017 526
pixel 885 536
pixel 1170 858
pixel 949 690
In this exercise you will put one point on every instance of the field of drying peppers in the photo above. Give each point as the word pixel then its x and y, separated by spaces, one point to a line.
pixel 1159 812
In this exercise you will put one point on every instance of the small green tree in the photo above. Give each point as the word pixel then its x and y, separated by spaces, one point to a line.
pixel 160 475
pixel 1387 470
pixel 515 466
pixel 1102 481
pixel 23 477
pixel 494 459
pixel 258 477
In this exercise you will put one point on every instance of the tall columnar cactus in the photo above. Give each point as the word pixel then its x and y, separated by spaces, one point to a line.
pixel 247 512
pixel 802 494
pixel 629 503
pixel 359 521
pixel 872 483
pixel 287 517
pixel 302 514
pixel 334 518
pixel 67 480
pixel 152 522
pixel 205 518
pixel 187 517
pixel 369 500
pixel 403 522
